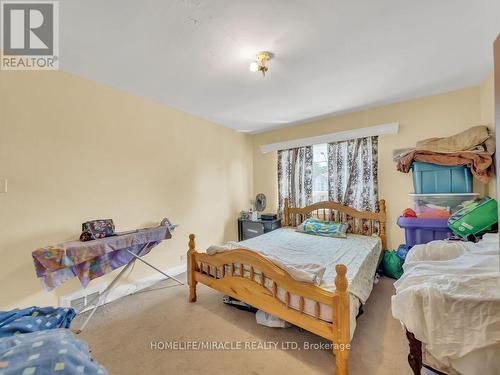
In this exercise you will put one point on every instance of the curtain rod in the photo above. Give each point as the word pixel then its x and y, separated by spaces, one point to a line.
pixel 383 129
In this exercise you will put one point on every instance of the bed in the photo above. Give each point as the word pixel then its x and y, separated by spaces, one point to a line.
pixel 448 301
pixel 255 277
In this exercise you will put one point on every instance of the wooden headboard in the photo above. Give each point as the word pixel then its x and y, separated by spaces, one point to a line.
pixel 360 222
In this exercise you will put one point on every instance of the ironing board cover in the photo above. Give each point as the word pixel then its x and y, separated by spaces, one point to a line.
pixel 55 265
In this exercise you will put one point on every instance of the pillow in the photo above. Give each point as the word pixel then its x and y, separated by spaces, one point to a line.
pixel 323 228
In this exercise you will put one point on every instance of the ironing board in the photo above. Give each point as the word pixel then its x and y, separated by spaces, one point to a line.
pixel 88 260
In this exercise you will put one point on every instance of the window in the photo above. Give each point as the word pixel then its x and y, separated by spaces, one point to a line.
pixel 320 173
pixel 344 172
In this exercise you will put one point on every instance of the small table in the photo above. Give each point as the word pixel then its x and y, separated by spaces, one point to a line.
pixel 250 229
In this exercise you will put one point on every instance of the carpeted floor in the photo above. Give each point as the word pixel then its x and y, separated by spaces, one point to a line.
pixel 121 336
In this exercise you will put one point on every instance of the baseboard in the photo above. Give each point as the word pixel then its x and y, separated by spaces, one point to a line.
pixel 126 289
pixel 123 289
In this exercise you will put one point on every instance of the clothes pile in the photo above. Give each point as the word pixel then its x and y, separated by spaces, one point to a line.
pixel 474 148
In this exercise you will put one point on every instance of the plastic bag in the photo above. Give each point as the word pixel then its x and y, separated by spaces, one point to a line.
pixel 402 252
pixel 269 320
pixel 392 264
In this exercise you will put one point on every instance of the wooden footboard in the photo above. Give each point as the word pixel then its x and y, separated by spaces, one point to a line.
pixel 258 286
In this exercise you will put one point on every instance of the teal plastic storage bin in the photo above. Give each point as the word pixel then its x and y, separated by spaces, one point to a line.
pixel 431 178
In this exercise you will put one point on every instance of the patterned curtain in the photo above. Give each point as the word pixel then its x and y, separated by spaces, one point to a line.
pixel 353 173
pixel 295 176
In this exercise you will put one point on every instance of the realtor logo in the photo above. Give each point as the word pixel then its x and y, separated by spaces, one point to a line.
pixel 29 35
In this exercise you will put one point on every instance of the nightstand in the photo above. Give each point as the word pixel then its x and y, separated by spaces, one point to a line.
pixel 249 229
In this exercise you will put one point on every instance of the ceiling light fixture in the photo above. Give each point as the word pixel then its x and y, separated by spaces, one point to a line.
pixel 260 65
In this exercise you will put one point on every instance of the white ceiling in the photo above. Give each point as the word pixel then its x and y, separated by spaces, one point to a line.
pixel 331 56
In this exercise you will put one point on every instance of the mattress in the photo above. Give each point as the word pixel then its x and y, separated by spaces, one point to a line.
pixel 359 253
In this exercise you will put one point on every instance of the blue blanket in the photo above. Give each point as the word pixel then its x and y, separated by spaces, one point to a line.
pixel 33 319
pixel 47 353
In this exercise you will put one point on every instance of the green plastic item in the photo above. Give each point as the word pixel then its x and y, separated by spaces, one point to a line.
pixel 474 218
pixel 392 264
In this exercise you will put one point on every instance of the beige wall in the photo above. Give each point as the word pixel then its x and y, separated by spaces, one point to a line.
pixel 73 150
pixel 433 116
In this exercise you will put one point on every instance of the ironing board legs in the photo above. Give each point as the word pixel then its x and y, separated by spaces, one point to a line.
pixel 104 294
pixel 153 267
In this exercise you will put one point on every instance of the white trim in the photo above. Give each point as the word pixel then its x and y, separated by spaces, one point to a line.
pixel 123 290
pixel 391 128
pixel 130 288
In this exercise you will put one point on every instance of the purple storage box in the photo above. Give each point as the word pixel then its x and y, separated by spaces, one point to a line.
pixel 419 231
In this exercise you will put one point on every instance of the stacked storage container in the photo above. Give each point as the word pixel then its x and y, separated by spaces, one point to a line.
pixel 439 192
pixel 440 179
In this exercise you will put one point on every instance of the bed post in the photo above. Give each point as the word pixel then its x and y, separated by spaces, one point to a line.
pixel 191 268
pixel 415 355
pixel 341 320
pixel 286 216
pixel 383 234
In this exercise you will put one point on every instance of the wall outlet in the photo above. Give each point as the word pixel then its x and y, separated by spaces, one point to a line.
pixel 183 257
pixel 3 185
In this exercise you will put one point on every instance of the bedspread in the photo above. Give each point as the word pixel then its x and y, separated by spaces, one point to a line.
pixel 449 297
pixel 33 319
pixel 55 265
pixel 47 353
pixel 316 256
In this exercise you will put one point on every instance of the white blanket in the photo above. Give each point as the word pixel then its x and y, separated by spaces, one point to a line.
pixel 313 258
pixel 449 297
